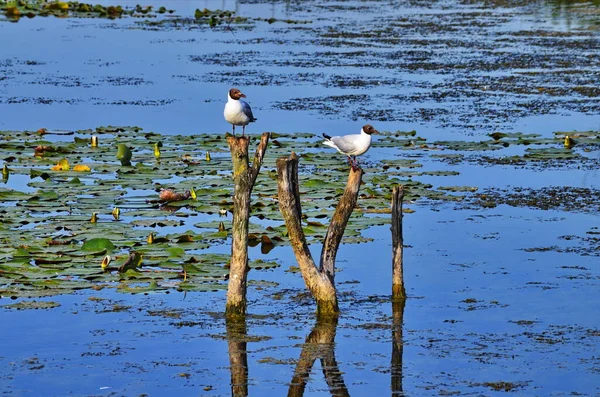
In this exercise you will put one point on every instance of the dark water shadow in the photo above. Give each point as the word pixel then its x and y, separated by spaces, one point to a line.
pixel 238 357
pixel 319 344
pixel 397 346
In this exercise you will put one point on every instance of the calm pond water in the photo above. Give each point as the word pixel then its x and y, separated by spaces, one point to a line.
pixel 502 298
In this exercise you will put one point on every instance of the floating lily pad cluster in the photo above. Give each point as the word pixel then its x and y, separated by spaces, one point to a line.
pixel 69 201
pixel 15 9
pixel 32 8
pixel 213 18
pixel 564 148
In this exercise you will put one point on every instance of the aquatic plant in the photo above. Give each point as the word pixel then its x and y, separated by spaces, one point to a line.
pixel 74 9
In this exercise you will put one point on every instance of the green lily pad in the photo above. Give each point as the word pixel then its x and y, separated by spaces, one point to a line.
pixel 98 244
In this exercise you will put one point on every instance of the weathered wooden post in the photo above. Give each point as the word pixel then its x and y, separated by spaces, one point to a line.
pixel 320 281
pixel 398 290
pixel 244 176
pixel 238 356
pixel 320 343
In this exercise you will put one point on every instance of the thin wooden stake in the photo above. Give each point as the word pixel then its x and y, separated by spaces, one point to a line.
pixel 398 290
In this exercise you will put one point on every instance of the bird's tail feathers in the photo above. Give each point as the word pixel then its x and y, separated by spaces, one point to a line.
pixel 328 137
pixel 330 144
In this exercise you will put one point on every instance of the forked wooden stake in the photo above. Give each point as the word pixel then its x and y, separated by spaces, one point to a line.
pixel 320 281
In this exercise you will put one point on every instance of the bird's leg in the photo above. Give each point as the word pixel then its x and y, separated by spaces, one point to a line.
pixel 352 162
pixel 355 165
pixel 233 125
pixel 243 130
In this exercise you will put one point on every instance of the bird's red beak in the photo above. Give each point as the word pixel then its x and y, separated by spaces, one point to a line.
pixel 242 95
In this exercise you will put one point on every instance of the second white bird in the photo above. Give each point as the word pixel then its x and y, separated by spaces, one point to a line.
pixel 352 145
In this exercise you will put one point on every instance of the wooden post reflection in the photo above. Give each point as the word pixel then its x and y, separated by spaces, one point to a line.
pixel 320 343
pixel 397 345
pixel 238 357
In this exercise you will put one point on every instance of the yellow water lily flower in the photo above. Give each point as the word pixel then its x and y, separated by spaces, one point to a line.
pixel 105 261
pixel 569 142
pixel 62 165
pixel 81 168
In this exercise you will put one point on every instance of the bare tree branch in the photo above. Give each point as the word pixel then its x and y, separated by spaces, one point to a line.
pixel 258 156
pixel 338 223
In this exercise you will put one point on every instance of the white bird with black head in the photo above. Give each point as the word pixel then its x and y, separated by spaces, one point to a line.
pixel 352 145
pixel 238 112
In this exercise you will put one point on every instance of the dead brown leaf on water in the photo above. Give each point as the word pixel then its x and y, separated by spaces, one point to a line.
pixel 171 195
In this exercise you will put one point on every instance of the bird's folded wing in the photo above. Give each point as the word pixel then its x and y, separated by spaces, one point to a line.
pixel 346 144
pixel 247 111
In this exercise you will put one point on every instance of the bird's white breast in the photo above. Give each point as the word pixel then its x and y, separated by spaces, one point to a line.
pixel 362 145
pixel 234 113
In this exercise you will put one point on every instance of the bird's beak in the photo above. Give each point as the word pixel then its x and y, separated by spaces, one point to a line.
pixel 375 132
pixel 242 95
